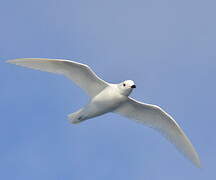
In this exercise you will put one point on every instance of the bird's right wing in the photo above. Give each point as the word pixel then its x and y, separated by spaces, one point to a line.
pixel 81 74
pixel 153 116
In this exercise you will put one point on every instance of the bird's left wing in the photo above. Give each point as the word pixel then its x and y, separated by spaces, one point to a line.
pixel 81 74
pixel 153 116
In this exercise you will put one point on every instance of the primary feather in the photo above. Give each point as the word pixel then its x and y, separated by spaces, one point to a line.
pixel 153 116
pixel 81 74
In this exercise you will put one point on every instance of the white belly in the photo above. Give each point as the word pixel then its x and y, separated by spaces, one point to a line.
pixel 104 102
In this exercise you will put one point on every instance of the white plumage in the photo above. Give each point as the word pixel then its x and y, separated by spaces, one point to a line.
pixel 107 97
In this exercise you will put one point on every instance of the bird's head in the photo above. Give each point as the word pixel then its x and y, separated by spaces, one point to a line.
pixel 126 87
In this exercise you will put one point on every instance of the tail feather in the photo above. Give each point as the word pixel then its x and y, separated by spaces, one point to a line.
pixel 74 118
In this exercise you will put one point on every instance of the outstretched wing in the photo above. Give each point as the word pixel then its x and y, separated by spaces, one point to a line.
pixel 153 116
pixel 81 74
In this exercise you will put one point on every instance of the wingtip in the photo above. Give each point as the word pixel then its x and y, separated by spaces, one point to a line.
pixel 9 61
pixel 197 162
pixel 12 61
pixel 18 60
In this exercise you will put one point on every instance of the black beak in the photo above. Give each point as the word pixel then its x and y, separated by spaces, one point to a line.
pixel 134 86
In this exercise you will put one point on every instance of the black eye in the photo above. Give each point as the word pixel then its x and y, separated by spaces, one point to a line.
pixel 124 84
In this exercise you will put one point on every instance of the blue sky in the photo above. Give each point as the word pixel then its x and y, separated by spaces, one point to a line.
pixel 166 47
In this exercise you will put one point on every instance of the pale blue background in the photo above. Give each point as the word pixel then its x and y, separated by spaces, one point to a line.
pixel 167 47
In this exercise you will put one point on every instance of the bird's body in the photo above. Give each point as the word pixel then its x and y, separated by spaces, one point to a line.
pixel 107 97
pixel 106 101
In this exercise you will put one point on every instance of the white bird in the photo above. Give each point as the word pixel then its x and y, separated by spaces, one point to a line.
pixel 107 97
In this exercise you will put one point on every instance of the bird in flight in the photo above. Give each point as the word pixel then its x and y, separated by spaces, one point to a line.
pixel 107 97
